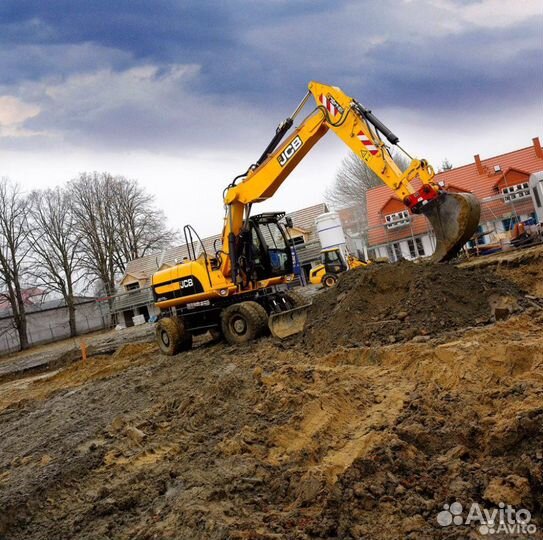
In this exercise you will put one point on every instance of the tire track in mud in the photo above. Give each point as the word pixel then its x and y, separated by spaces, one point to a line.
pixel 267 442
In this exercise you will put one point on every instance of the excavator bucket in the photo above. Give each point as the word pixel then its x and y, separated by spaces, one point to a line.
pixel 288 323
pixel 454 218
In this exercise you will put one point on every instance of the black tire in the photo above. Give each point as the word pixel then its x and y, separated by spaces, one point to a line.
pixel 243 322
pixel 329 281
pixel 172 337
pixel 295 299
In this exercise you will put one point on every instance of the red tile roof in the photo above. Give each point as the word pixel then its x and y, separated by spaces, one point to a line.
pixel 478 177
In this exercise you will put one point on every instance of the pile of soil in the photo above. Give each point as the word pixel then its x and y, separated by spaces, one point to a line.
pixel 523 266
pixel 383 304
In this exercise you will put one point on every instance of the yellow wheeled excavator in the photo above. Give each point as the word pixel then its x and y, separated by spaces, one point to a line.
pixel 241 289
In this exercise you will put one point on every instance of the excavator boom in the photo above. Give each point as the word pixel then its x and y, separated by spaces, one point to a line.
pixel 453 216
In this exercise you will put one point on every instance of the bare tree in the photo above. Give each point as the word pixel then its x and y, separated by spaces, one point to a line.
pixel 446 165
pixel 353 180
pixel 14 250
pixel 141 227
pixel 117 222
pixel 91 196
pixel 56 249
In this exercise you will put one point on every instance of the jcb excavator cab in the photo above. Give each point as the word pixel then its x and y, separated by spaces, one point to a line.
pixel 263 249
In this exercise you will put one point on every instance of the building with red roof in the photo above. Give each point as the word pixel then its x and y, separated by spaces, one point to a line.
pixel 509 186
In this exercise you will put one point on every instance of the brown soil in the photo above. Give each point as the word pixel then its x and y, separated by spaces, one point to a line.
pixel 392 303
pixel 293 440
pixel 524 267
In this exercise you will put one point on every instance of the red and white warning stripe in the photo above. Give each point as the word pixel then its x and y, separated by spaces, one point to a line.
pixel 331 108
pixel 367 143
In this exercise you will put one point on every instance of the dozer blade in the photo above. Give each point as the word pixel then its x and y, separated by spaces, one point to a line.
pixel 454 218
pixel 288 323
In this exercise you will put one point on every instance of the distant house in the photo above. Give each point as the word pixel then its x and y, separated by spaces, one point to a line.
pixel 509 186
pixel 134 295
pixel 354 222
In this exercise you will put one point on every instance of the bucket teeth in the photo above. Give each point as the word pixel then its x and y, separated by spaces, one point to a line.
pixel 454 218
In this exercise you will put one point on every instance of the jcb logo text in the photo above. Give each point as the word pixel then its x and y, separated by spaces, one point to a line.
pixel 289 151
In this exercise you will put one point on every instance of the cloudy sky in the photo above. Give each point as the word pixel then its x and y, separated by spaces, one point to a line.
pixel 184 94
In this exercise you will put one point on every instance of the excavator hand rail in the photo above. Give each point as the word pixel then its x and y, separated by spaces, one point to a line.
pixel 188 230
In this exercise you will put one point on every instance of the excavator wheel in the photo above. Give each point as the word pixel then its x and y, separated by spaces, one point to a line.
pixel 243 322
pixel 329 281
pixel 295 300
pixel 172 337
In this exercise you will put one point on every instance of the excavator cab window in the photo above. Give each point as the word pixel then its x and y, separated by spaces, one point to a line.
pixel 270 252
pixel 333 262
pixel 258 254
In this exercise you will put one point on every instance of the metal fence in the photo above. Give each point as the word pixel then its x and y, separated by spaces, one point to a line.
pixel 53 325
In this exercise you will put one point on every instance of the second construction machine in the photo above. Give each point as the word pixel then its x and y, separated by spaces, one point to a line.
pixel 241 288
pixel 334 261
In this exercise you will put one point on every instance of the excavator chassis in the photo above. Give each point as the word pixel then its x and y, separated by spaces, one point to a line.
pixel 285 312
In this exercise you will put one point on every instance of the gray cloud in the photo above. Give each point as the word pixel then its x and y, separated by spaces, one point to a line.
pixel 177 75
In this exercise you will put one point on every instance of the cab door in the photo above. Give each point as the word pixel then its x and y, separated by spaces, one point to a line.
pixel 333 262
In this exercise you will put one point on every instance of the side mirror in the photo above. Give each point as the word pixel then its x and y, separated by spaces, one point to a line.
pixel 288 221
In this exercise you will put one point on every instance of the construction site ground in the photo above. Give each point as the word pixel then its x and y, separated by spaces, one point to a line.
pixel 404 394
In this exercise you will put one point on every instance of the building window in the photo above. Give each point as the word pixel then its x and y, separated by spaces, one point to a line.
pixel 397 251
pixel 398 219
pixel 536 195
pixel 297 241
pixel 509 223
pixel 519 191
pixel 132 286
pixel 412 251
pixel 420 247
pixel 416 248
pixel 390 253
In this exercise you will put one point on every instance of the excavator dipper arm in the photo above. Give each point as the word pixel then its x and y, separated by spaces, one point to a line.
pixel 454 216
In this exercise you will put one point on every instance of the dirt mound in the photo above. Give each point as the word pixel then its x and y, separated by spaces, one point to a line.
pixel 384 304
pixel 524 267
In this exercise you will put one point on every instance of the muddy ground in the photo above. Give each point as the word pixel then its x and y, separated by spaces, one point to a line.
pixel 293 439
